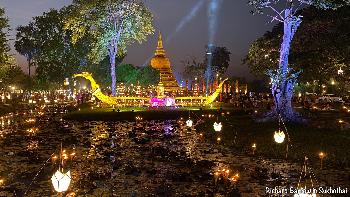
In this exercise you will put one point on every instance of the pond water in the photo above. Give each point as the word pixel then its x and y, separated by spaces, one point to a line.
pixel 144 158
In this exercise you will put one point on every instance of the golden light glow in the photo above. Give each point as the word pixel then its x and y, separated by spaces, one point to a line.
pixel 254 146
pixel 321 155
pixel 30 120
pixel 95 88
pixel 138 118
pixel 226 173
pixel 32 130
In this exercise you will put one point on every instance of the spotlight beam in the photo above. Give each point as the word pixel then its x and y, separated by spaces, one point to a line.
pixel 213 11
pixel 187 19
pixel 184 21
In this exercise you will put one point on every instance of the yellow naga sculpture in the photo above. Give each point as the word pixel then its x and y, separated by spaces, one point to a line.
pixel 113 100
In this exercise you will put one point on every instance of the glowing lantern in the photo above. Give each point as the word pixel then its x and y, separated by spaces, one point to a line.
pixel 217 126
pixel 66 82
pixel 61 181
pixel 279 136
pixel 189 123
pixel 305 195
pixel 340 71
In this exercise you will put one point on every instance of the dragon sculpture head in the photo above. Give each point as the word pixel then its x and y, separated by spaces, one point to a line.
pixel 88 76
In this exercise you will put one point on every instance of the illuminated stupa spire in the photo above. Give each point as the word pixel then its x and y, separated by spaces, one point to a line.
pixel 160 49
pixel 163 65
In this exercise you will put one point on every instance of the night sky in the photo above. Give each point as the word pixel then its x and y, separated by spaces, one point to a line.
pixel 237 28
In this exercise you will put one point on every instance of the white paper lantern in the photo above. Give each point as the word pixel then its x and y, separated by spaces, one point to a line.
pixel 189 123
pixel 61 181
pixel 305 195
pixel 279 136
pixel 340 71
pixel 217 126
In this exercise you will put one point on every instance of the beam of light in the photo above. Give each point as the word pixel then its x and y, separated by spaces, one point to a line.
pixel 186 19
pixel 213 10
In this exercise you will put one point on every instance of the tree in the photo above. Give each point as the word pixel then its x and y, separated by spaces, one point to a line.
pixel 5 58
pixel 148 76
pixel 99 70
pixel 45 41
pixel 220 59
pixel 216 62
pixel 284 78
pixel 114 24
pixel 13 75
pixel 25 43
pixel 193 69
pixel 130 74
pixel 320 60
pixel 10 73
pixel 127 73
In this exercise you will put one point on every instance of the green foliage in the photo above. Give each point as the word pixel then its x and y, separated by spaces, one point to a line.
pixel 5 58
pixel 196 69
pixel 10 74
pixel 129 74
pixel 114 24
pixel 193 69
pixel 319 60
pixel 13 75
pixel 45 42
pixel 100 71
pixel 25 44
pixel 148 76
pixel 220 59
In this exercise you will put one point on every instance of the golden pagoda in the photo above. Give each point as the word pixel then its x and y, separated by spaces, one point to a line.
pixel 163 65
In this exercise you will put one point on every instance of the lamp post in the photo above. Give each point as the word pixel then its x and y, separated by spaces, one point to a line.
pixel 280 135
pixel 253 148
pixel 321 155
pixel 61 179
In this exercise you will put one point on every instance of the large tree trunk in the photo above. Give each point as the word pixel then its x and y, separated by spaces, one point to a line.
pixel 113 74
pixel 112 52
pixel 29 65
pixel 284 80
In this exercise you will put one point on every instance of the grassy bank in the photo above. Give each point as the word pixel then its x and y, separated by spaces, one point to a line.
pixel 85 112
pixel 131 114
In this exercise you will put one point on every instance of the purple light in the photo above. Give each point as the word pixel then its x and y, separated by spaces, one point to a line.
pixel 155 102
pixel 169 102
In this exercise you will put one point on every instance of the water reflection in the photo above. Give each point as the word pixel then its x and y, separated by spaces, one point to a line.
pixel 141 158
pixel 33 145
pixel 99 140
